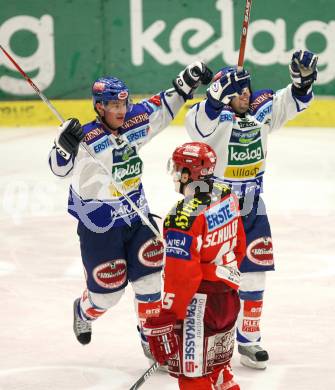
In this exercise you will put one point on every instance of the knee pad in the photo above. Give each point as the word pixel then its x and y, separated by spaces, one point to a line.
pixel 148 285
pixel 105 301
pixel 93 305
pixel 252 281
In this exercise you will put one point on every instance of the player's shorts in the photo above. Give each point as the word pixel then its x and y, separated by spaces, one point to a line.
pixel 259 253
pixel 121 254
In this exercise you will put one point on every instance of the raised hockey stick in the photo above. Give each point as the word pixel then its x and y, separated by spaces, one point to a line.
pixel 39 93
pixel 145 376
pixel 244 33
pixel 60 118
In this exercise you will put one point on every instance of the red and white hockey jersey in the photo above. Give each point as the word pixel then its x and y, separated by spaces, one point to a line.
pixel 205 241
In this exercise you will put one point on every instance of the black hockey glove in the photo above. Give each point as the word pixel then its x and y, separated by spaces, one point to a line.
pixel 191 77
pixel 71 134
pixel 303 70
pixel 227 87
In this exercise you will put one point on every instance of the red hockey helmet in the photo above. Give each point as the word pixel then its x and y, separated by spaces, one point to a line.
pixel 197 158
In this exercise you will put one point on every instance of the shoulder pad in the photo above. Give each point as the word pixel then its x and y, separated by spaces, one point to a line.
pixel 259 98
pixel 137 117
pixel 227 107
pixel 93 131
pixel 184 213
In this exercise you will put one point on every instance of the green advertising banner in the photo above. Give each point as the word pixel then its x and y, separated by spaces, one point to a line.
pixel 64 45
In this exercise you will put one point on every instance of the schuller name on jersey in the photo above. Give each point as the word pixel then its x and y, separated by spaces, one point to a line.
pixel 221 224
pixel 245 151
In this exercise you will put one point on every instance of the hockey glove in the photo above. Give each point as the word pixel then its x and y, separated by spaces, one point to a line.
pixel 303 69
pixel 228 271
pixel 191 77
pixel 227 87
pixel 161 337
pixel 71 134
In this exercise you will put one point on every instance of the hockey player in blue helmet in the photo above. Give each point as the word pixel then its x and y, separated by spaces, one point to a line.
pixel 111 101
pixel 236 123
pixel 116 247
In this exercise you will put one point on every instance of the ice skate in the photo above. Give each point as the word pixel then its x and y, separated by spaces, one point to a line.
pixel 82 329
pixel 253 356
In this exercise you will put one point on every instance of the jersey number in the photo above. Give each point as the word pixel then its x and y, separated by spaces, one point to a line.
pixel 167 300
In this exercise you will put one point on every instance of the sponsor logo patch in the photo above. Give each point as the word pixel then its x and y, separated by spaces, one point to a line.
pixel 112 274
pixel 221 214
pixel 262 113
pixel 193 336
pixel 243 172
pixel 246 124
pixel 106 143
pixel 260 251
pixel 183 219
pixel 122 95
pixel 93 134
pixel 135 135
pixel 148 309
pixel 245 154
pixel 221 235
pixel 226 117
pixel 260 100
pixel 151 253
pixel 127 170
pixel 250 326
pixel 136 120
pixel 252 308
pixel 178 245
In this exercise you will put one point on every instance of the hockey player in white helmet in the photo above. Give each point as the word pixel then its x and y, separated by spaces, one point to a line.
pixel 116 247
pixel 236 122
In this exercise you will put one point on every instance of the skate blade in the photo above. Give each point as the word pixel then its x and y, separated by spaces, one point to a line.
pixel 247 362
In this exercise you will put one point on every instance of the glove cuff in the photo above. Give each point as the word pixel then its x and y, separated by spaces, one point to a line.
pixel 217 105
pixel 301 91
pixel 182 89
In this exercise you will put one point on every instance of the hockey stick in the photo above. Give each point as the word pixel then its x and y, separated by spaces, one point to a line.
pixel 60 118
pixel 244 33
pixel 145 376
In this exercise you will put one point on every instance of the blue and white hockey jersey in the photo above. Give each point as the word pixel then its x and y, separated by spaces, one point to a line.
pixel 93 199
pixel 240 142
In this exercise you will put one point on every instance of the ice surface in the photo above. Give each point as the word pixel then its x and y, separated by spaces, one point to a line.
pixel 41 272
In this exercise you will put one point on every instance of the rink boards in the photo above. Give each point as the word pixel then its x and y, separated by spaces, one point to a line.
pixel 36 113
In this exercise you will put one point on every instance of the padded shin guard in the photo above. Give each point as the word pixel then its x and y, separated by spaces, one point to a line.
pixel 248 330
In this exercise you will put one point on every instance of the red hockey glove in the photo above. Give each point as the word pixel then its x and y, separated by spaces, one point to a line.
pixel 228 271
pixel 161 337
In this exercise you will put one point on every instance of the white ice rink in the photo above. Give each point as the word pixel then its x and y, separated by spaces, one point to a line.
pixel 41 273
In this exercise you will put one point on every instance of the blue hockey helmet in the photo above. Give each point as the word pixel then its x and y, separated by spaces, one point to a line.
pixel 108 88
pixel 227 69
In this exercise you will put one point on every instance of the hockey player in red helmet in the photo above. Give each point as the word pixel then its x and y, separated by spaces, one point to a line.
pixel 205 243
